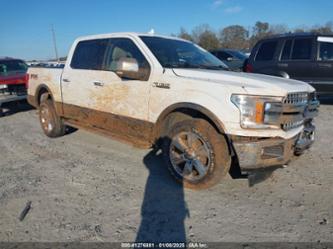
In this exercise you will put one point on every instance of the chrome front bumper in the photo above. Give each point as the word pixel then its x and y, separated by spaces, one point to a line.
pixel 255 153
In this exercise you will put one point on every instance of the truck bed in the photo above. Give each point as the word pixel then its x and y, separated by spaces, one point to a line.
pixel 49 77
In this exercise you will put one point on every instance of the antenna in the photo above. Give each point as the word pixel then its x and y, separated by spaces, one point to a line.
pixel 54 42
pixel 151 32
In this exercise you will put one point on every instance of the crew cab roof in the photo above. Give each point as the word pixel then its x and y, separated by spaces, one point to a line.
pixel 120 34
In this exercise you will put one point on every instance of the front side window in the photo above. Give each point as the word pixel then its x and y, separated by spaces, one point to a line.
pixel 89 54
pixel 223 55
pixel 325 51
pixel 119 48
pixel 266 51
pixel 172 53
pixel 302 49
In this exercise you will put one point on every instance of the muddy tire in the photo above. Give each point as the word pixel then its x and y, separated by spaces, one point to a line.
pixel 52 125
pixel 196 154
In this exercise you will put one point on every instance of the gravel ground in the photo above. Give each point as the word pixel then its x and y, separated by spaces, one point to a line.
pixel 85 187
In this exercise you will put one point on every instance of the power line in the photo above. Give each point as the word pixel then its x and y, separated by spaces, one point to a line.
pixel 54 43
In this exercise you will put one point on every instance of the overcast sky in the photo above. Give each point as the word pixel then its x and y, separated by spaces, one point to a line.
pixel 25 26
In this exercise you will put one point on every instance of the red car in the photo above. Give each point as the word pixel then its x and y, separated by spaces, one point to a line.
pixel 13 80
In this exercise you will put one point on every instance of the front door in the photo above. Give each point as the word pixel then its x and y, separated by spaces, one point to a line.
pixel 297 59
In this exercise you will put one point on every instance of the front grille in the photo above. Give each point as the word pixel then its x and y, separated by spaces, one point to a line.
pixel 296 98
pixel 295 110
pixel 292 125
pixel 298 107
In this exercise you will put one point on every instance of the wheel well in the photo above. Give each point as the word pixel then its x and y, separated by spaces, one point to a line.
pixel 41 91
pixel 181 114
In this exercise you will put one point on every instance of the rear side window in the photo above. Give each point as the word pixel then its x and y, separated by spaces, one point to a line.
pixel 302 49
pixel 286 50
pixel 325 51
pixel 89 54
pixel 266 51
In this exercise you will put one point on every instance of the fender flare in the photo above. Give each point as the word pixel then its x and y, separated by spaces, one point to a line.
pixel 38 89
pixel 58 106
pixel 191 106
pixel 283 75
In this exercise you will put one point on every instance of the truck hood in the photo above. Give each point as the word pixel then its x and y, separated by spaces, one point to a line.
pixel 258 84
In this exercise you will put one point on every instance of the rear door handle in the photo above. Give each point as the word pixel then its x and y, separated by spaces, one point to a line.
pixel 66 80
pixel 98 83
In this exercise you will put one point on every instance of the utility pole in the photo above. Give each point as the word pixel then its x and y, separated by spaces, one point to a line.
pixel 54 42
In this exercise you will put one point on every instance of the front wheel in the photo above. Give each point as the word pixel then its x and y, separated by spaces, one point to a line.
pixel 196 154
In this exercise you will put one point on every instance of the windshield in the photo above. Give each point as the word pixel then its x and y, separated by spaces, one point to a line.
pixel 238 54
pixel 173 53
pixel 9 67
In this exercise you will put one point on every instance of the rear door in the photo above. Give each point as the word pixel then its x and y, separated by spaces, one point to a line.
pixel 80 76
pixel 297 59
pixel 94 94
pixel 323 75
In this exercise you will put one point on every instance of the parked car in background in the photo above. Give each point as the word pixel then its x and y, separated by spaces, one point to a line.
pixel 305 57
pixel 162 91
pixel 234 59
pixel 48 64
pixel 13 80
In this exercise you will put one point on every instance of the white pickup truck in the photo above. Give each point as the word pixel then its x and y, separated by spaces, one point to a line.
pixel 155 90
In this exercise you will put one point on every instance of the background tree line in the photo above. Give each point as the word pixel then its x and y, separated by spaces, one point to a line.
pixel 239 37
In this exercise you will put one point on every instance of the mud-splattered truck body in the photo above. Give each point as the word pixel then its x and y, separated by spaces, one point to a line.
pixel 154 90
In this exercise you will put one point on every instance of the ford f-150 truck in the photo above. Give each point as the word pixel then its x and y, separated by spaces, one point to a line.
pixel 155 90
pixel 13 80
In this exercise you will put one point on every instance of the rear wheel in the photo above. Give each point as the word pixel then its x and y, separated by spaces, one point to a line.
pixel 51 123
pixel 196 154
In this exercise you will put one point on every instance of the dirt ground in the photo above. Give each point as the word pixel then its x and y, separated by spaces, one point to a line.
pixel 86 187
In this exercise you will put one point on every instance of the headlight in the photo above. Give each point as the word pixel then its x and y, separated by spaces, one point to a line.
pixel 252 110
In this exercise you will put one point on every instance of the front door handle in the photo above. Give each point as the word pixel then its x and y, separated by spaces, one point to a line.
pixel 98 83
pixel 283 64
pixel 324 65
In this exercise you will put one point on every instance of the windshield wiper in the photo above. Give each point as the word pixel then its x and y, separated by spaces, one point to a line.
pixel 196 66
pixel 183 65
pixel 212 67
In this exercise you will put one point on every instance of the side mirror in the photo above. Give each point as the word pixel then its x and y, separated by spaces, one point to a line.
pixel 128 68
